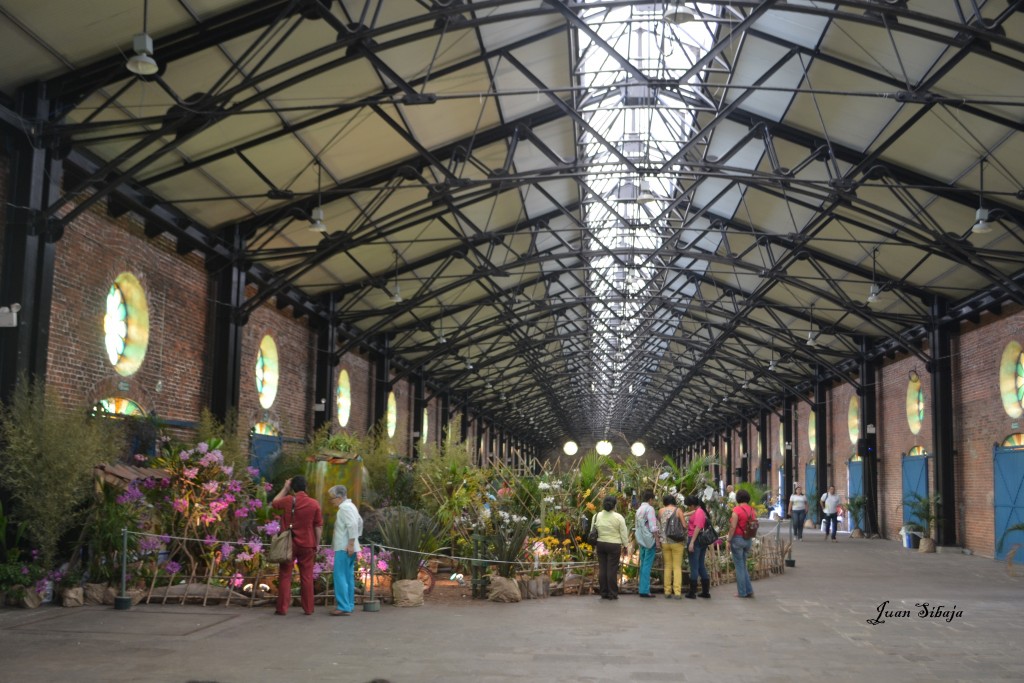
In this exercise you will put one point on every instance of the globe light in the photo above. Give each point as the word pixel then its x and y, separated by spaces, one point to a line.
pixel 637 449
pixel 570 448
pixel 604 447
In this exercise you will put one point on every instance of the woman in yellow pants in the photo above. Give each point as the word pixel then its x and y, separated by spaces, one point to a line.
pixel 672 550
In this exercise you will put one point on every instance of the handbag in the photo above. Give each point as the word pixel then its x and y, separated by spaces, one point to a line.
pixel 281 545
pixel 707 535
pixel 592 536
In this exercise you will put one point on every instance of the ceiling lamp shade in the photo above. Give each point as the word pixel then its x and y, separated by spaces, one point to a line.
pixel 396 295
pixel 638 449
pixel 812 338
pixel 603 447
pixel 873 294
pixel 982 224
pixel 316 220
pixel 142 63
pixel 570 448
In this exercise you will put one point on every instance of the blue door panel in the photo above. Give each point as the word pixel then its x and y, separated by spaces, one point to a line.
pixel 1008 473
pixel 265 450
pixel 811 491
pixel 915 480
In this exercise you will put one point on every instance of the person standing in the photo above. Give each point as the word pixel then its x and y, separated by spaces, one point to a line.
pixel 830 507
pixel 647 538
pixel 303 515
pixel 798 511
pixel 739 546
pixel 672 551
pixel 612 538
pixel 696 552
pixel 348 527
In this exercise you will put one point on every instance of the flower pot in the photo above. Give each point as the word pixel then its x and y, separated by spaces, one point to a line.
pixel 927 545
pixel 857 533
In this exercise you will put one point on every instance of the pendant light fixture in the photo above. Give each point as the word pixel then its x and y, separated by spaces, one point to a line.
pixel 142 63
pixel 875 289
pixel 396 294
pixel 982 224
pixel 316 215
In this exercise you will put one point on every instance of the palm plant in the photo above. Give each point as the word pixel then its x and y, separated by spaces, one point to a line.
pixel 924 508
pixel 409 535
pixel 507 545
pixel 856 506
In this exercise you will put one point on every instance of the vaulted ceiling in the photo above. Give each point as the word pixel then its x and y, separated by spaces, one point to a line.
pixel 484 227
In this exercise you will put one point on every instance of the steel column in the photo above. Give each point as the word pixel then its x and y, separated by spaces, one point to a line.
pixel 382 382
pixel 787 450
pixel 228 283
pixel 27 266
pixel 325 372
pixel 762 439
pixel 866 446
pixel 941 370
pixel 419 403
pixel 821 440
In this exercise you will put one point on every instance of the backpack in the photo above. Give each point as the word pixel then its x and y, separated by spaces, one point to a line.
pixel 674 529
pixel 750 525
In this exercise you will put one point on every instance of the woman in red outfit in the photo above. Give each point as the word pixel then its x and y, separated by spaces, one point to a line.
pixel 307 524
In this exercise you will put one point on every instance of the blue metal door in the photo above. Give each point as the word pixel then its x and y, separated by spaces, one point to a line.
pixel 915 481
pixel 855 483
pixel 264 450
pixel 811 491
pixel 855 478
pixel 1008 472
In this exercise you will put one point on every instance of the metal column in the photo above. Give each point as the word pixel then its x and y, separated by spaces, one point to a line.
pixel 228 283
pixel 941 371
pixel 325 373
pixel 821 441
pixel 787 455
pixel 866 446
pixel 382 382
pixel 27 266
pixel 762 440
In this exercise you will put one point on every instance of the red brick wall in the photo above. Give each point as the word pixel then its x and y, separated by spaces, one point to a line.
pixel 981 422
pixel 92 253
pixel 894 437
pixel 840 449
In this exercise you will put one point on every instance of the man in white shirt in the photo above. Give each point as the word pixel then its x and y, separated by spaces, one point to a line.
pixel 830 507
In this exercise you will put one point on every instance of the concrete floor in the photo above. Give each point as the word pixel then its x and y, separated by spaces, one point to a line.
pixel 809 624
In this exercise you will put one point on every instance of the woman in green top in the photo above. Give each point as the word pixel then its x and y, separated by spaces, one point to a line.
pixel 612 538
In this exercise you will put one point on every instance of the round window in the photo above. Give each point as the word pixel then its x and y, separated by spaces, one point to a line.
pixel 267 372
pixel 126 325
pixel 343 400
pixel 392 414
pixel 915 403
pixel 853 419
pixel 1011 380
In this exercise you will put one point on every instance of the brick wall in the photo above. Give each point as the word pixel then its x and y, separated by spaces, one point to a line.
pixel 94 250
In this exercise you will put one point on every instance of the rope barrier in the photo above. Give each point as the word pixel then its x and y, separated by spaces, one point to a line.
pixel 532 563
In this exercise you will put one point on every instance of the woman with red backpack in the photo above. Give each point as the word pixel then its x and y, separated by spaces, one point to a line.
pixel 740 540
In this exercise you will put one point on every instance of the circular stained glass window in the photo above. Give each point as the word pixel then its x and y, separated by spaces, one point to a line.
pixel 426 425
pixel 917 451
pixel 812 429
pixel 1011 380
pixel 915 403
pixel 126 325
pixel 392 414
pixel 343 399
pixel 267 372
pixel 853 419
pixel 782 440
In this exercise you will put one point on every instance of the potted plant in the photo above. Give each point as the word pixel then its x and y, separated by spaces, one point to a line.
pixel 923 508
pixel 409 535
pixel 856 507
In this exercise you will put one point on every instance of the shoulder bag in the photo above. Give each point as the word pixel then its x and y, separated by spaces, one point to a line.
pixel 281 545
